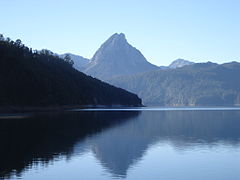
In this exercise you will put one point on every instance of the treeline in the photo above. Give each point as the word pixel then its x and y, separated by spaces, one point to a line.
pixel 40 78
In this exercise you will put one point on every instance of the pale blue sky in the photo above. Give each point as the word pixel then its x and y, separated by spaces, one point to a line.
pixel 197 30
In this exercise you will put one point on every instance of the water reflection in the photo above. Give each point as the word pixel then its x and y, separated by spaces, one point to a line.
pixel 44 138
pixel 118 140
pixel 120 147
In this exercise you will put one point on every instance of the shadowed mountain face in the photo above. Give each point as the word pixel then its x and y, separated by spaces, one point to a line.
pixel 116 57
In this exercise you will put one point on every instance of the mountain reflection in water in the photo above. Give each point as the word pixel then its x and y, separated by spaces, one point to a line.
pixel 118 140
pixel 42 139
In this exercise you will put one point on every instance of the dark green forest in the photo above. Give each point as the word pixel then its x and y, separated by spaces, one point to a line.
pixel 40 78
pixel 200 84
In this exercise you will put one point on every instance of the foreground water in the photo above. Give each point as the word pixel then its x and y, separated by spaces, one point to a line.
pixel 137 144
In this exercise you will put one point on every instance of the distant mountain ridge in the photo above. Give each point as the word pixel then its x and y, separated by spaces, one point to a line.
pixel 116 57
pixel 200 84
pixel 182 83
pixel 79 61
pixel 178 63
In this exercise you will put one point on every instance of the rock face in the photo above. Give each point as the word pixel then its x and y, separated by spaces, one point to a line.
pixel 116 57
pixel 79 61
pixel 178 63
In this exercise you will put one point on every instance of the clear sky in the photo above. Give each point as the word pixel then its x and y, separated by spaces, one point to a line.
pixel 163 30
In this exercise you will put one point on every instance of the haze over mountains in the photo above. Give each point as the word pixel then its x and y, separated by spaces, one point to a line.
pixel 182 83
pixel 200 84
pixel 33 78
pixel 178 63
pixel 116 57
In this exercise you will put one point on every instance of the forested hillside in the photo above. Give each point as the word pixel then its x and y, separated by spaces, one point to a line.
pixel 39 78
pixel 207 84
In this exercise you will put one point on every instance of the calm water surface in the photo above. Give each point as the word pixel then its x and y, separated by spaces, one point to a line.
pixel 136 144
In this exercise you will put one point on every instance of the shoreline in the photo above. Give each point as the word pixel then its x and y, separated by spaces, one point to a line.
pixel 35 109
pixel 11 110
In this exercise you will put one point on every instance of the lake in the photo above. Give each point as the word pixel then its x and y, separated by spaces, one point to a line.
pixel 131 144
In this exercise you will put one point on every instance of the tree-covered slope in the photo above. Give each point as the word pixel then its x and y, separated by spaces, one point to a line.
pixel 38 78
pixel 197 84
pixel 79 61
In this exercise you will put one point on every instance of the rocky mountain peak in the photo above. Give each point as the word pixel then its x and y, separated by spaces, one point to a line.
pixel 115 41
pixel 180 63
pixel 116 57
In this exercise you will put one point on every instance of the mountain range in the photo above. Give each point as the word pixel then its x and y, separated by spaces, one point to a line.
pixel 115 58
pixel 182 83
pixel 200 84
pixel 42 79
